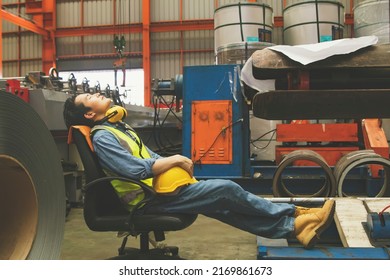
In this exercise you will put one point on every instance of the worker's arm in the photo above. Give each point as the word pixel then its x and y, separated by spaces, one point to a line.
pixel 153 154
pixel 163 164
pixel 112 156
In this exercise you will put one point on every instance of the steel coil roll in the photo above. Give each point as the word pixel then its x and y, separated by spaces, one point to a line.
pixel 371 17
pixel 359 158
pixel 239 53
pixel 242 22
pixel 310 22
pixel 32 188
pixel 279 189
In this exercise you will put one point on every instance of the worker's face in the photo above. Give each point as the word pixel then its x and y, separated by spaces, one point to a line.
pixel 99 104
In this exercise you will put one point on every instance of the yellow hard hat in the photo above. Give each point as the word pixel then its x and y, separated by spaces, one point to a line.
pixel 170 181
pixel 116 113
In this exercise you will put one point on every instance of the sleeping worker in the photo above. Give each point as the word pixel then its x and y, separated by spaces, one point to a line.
pixel 120 151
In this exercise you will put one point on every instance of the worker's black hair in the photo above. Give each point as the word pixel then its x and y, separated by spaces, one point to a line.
pixel 74 114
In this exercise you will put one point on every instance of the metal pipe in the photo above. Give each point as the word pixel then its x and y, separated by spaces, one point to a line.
pixel 297 199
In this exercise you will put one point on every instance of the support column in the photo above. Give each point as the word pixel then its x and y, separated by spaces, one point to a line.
pixel 49 43
pixel 146 50
pixel 1 43
pixel 44 15
pixel 181 40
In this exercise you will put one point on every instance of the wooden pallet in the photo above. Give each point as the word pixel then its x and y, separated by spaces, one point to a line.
pixel 350 217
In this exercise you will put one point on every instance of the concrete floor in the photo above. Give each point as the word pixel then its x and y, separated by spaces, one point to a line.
pixel 205 239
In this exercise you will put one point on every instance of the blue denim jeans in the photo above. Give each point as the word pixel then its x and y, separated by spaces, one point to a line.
pixel 228 202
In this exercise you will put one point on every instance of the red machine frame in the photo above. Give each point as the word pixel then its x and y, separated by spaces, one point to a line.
pixel 374 137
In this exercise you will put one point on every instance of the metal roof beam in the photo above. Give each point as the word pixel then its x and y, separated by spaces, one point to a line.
pixel 167 26
pixel 23 23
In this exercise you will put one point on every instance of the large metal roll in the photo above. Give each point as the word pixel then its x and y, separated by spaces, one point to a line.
pixel 32 188
pixel 239 53
pixel 371 17
pixel 328 188
pixel 242 22
pixel 312 21
pixel 357 159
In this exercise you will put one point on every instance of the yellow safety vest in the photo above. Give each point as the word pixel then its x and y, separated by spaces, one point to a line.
pixel 129 193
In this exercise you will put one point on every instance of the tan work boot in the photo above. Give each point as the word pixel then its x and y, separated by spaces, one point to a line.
pixel 299 210
pixel 309 227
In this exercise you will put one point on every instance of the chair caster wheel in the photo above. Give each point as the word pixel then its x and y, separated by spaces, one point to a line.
pixel 171 251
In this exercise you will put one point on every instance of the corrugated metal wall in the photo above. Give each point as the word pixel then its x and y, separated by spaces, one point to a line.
pixel 197 46
pixel 201 9
pixel 164 10
pixel 22 50
pixel 170 51
pixel 97 13
pixel 165 60
pixel 68 13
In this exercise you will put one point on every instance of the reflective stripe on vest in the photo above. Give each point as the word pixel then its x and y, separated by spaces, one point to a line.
pixel 129 193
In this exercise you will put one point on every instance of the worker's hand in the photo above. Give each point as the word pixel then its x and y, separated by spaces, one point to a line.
pixel 163 164
pixel 185 163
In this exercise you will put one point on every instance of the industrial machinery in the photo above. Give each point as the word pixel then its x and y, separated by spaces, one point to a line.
pixel 326 147
pixel 350 90
pixel 166 100
pixel 215 122
pixel 330 109
pixel 330 136
pixel 360 231
pixel 47 93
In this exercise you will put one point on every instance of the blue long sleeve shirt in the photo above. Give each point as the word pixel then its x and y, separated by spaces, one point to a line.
pixel 113 157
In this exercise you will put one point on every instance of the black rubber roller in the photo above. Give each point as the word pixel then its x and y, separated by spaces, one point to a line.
pixel 279 188
pixel 360 158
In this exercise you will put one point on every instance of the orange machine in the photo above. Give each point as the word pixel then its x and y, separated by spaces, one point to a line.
pixel 211 134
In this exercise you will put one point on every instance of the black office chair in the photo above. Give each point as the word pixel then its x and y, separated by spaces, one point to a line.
pixel 103 210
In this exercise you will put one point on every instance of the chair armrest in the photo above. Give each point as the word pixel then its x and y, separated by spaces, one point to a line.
pixel 148 190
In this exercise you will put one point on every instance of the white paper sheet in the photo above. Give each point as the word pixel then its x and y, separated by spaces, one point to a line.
pixel 306 54
pixel 248 79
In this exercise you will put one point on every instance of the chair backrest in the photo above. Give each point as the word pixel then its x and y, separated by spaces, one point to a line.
pixel 100 199
pixel 103 210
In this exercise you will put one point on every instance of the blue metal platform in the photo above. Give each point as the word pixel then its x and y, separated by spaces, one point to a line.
pixel 347 238
pixel 322 253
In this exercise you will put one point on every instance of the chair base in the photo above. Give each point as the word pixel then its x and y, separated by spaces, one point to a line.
pixel 166 253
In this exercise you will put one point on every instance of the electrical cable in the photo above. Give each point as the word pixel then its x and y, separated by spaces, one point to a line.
pixel 273 131
pixel 383 211
pixel 155 120
pixel 223 130
pixel 170 106
pixel 268 132
pixel 158 125
pixel 163 122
